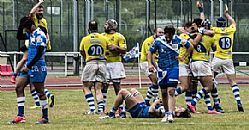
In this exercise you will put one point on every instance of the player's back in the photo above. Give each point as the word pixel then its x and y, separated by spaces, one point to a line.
pixel 224 38
pixel 116 39
pixel 201 51
pixel 95 46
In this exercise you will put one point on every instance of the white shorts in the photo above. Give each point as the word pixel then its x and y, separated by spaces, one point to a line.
pixel 94 71
pixel 115 70
pixel 184 70
pixel 200 68
pixel 145 68
pixel 223 65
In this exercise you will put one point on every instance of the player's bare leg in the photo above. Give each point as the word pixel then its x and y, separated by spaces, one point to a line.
pixel 99 97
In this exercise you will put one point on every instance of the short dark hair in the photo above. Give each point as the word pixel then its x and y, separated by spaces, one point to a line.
pixel 43 29
pixel 93 26
pixel 26 22
pixel 169 29
pixel 197 21
pixel 187 25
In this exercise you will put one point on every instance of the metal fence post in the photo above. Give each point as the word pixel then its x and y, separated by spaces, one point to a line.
pixel 212 11
pixel 65 64
pixel 221 8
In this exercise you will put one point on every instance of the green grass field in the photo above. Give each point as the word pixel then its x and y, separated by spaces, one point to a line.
pixel 67 114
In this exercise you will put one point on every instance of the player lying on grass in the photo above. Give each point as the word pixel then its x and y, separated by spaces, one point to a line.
pixel 136 106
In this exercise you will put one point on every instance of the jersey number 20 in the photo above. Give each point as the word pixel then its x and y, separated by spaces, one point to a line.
pixel 95 50
pixel 225 43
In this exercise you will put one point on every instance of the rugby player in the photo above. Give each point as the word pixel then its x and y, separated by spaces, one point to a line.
pixel 115 68
pixel 152 91
pixel 167 70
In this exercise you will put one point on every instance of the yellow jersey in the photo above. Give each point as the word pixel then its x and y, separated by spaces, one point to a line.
pixel 118 40
pixel 145 48
pixel 201 51
pixel 223 39
pixel 42 22
pixel 94 45
pixel 183 49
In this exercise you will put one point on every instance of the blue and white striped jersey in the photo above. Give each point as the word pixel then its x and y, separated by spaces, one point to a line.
pixel 168 52
pixel 37 38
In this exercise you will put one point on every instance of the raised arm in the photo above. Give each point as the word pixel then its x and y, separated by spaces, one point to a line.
pixel 201 9
pixel 229 17
pixel 33 10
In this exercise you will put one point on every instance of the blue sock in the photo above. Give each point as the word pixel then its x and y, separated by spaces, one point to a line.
pixel 90 100
pixel 104 92
pixel 48 94
pixel 236 94
pixel 152 92
pixel 122 108
pixel 114 109
pixel 100 106
pixel 20 104
pixel 215 96
pixel 35 97
pixel 199 95
pixel 178 91
pixel 194 92
pixel 44 105
pixel 188 97
pixel 208 102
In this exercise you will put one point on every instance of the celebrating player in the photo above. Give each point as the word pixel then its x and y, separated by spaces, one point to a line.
pixel 224 38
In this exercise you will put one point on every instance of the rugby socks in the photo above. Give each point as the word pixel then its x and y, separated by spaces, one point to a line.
pixel 122 108
pixel 178 91
pixel 188 97
pixel 35 97
pixel 235 90
pixel 114 109
pixel 199 95
pixel 20 104
pixel 208 102
pixel 48 94
pixel 194 92
pixel 90 100
pixel 104 92
pixel 215 96
pixel 152 92
pixel 44 105
pixel 100 106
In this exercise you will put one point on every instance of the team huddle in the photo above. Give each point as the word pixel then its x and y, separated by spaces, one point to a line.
pixel 174 64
